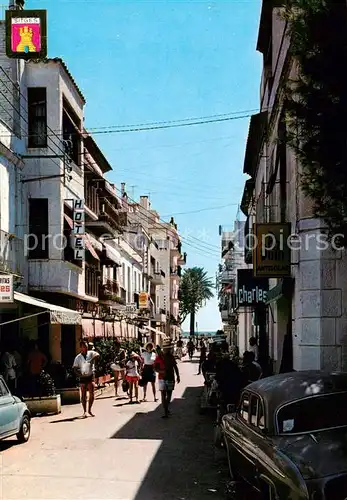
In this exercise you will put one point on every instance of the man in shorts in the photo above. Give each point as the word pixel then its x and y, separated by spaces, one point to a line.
pixel 84 369
pixel 166 366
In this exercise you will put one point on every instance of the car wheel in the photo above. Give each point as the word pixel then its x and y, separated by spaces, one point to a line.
pixel 24 433
pixel 218 437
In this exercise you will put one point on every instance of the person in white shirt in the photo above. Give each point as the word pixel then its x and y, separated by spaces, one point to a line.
pixel 133 376
pixel 253 347
pixel 84 369
pixel 148 372
pixel 8 369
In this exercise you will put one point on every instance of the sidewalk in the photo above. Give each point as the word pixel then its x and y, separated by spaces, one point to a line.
pixel 127 452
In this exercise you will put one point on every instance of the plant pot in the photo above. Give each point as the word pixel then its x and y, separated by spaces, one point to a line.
pixel 49 405
pixel 70 396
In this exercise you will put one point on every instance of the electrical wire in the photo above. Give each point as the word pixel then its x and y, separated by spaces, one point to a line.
pixel 208 252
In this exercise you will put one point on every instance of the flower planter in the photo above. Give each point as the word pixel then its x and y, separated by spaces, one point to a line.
pixel 70 396
pixel 46 405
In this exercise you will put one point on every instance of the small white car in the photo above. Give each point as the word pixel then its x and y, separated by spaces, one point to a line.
pixel 14 415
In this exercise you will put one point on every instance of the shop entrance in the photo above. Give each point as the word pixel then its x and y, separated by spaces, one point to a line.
pixel 68 345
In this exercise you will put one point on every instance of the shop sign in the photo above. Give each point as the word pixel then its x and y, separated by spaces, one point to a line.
pixel 271 250
pixel 6 289
pixel 251 291
pixel 143 300
pixel 78 229
pixel 26 34
pixel 130 308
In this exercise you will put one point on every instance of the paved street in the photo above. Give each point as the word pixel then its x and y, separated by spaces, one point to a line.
pixel 127 452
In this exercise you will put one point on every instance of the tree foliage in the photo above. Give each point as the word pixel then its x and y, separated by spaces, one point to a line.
pixel 316 104
pixel 196 287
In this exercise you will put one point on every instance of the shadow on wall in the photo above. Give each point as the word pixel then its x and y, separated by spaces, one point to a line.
pixel 186 465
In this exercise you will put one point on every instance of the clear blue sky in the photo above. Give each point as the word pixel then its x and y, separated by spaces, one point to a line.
pixel 147 61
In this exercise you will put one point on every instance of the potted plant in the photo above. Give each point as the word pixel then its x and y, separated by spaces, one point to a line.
pixel 40 395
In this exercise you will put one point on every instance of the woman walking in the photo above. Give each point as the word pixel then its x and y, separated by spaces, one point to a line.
pixel 133 377
pixel 118 368
pixel 148 371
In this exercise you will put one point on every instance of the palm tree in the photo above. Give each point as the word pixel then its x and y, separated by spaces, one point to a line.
pixel 196 288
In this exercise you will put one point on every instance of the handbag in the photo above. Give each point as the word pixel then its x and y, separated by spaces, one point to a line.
pixel 125 386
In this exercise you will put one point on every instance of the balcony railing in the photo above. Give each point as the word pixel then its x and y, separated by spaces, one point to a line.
pixel 12 258
pixel 92 282
pixel 91 198
pixel 109 291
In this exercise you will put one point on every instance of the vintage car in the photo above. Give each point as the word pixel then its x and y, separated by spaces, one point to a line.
pixel 14 415
pixel 288 437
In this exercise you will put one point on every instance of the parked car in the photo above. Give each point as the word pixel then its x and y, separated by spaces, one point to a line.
pixel 14 415
pixel 288 437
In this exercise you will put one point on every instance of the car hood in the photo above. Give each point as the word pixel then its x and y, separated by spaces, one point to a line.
pixel 318 454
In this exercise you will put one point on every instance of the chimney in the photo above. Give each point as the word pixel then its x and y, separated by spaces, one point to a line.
pixel 144 202
pixel 122 189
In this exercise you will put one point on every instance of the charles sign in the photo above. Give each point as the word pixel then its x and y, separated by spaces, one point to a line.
pixel 251 291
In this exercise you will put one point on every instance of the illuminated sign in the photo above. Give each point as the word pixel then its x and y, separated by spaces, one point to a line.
pixel 251 291
pixel 78 229
pixel 26 34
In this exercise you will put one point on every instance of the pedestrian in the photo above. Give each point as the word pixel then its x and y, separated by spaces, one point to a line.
pixel 203 356
pixel 191 349
pixel 148 371
pixel 36 362
pixel 8 369
pixel 118 368
pixel 179 350
pixel 167 368
pixel 250 368
pixel 253 347
pixel 84 369
pixel 132 376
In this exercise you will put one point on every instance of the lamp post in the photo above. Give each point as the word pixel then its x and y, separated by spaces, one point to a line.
pixel 94 313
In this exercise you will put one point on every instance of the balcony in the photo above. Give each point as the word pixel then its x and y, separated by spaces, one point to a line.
pixel 227 277
pixel 224 315
pixel 176 272
pixel 91 200
pixel 160 316
pixel 12 254
pixel 158 277
pixel 182 259
pixel 110 292
pixel 110 219
pixel 92 278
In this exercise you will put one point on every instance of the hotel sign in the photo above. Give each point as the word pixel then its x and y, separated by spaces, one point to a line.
pixel 6 289
pixel 26 34
pixel 251 291
pixel 78 229
pixel 271 250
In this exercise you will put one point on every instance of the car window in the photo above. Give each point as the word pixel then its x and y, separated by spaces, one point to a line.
pixel 296 417
pixel 261 415
pixel 244 407
pixel 254 410
pixel 3 389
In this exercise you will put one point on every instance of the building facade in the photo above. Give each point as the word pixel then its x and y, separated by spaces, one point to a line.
pixel 306 317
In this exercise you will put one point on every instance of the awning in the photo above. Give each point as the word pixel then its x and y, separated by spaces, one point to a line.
pixel 112 254
pixel 155 330
pixel 58 315
pixel 92 328
pixel 87 239
pixel 284 288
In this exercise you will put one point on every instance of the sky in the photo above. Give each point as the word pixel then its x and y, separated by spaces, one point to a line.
pixel 157 61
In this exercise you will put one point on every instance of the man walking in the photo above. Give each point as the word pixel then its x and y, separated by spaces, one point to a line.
pixel 166 366
pixel 84 369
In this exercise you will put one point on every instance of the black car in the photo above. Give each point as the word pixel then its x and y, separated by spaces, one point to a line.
pixel 288 437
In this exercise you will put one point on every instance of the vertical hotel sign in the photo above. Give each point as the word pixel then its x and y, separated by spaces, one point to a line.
pixel 26 34
pixel 78 229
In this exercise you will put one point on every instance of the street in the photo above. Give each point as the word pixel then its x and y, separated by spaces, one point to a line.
pixel 127 452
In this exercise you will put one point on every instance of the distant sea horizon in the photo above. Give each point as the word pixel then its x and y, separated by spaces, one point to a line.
pixel 206 333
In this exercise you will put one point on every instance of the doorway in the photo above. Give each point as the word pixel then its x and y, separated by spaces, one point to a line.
pixel 68 345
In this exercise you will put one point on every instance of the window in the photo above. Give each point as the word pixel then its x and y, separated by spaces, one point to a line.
pixel 129 285
pixel 296 417
pixel 37 117
pixel 38 240
pixel 257 413
pixel 244 407
pixel 71 133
